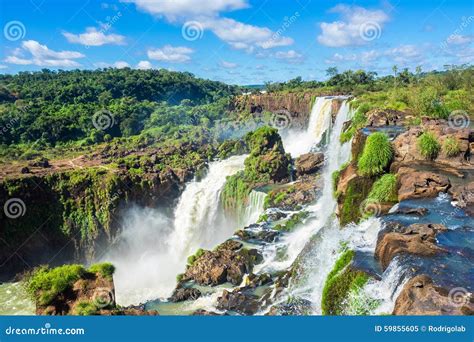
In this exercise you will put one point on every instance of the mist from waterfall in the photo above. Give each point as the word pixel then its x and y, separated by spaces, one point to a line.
pixel 152 248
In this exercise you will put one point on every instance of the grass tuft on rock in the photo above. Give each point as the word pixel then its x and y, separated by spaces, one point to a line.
pixel 451 147
pixel 384 189
pixel 105 269
pixel 376 156
pixel 428 145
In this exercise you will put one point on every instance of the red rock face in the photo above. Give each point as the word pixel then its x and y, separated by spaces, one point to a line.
pixel 421 297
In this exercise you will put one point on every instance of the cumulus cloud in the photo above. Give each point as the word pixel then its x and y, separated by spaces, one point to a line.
pixel 238 35
pixel 459 39
pixel 41 55
pixel 93 37
pixel 144 65
pixel 174 9
pixel 171 54
pixel 350 30
pixel 118 65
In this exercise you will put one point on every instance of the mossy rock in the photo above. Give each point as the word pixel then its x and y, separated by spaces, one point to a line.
pixel 342 280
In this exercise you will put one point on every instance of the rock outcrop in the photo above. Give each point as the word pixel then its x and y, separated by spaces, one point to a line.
pixel 420 296
pixel 238 301
pixel 418 239
pixel 387 117
pixel 420 184
pixel 309 163
pixel 229 262
pixel 463 195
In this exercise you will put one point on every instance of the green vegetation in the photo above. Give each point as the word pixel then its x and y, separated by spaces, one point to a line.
pixel 292 222
pixel 358 120
pixel 376 156
pixel 192 258
pixel 384 189
pixel 266 163
pixel 44 284
pixel 428 145
pixel 231 148
pixel 106 270
pixel 277 197
pixel 340 282
pixel 85 308
pixel 356 193
pixel 451 147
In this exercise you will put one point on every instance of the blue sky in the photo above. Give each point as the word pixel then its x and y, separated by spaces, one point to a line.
pixel 236 41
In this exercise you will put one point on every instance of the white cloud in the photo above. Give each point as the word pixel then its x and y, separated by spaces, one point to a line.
pixel 244 36
pixel 121 65
pixel 93 37
pixel 171 54
pixel 238 35
pixel 228 65
pixel 173 9
pixel 144 65
pixel 290 56
pixel 41 55
pixel 405 54
pixel 350 30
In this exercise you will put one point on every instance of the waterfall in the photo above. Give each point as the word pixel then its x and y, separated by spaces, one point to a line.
pixel 298 143
pixel 254 208
pixel 152 248
pixel 322 212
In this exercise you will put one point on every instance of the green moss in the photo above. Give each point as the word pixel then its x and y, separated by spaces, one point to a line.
pixel 350 202
pixel 231 148
pixel 428 145
pixel 106 270
pixel 384 189
pixel 451 147
pixel 85 308
pixel 376 156
pixel 292 222
pixel 192 259
pixel 277 197
pixel 341 281
pixel 359 119
pixel 235 193
pixel 336 175
pixel 44 284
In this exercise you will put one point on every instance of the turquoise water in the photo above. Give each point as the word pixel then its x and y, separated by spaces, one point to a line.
pixel 14 300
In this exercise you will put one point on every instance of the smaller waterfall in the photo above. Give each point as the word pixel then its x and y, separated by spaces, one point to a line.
pixel 298 143
pixel 254 208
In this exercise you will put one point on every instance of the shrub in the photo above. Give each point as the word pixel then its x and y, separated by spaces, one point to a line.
pixel 428 145
pixel 105 269
pixel 451 147
pixel 376 155
pixel 384 189
pixel 85 308
pixel 44 284
pixel 192 259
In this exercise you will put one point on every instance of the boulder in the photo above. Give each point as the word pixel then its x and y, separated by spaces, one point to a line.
pixel 309 163
pixel 463 195
pixel 418 239
pixel 182 294
pixel 420 296
pixel 420 184
pixel 229 262
pixel 239 302
pixel 387 117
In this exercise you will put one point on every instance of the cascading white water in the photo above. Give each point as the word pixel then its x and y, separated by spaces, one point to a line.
pixel 152 248
pixel 298 143
pixel 323 210
pixel 253 209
